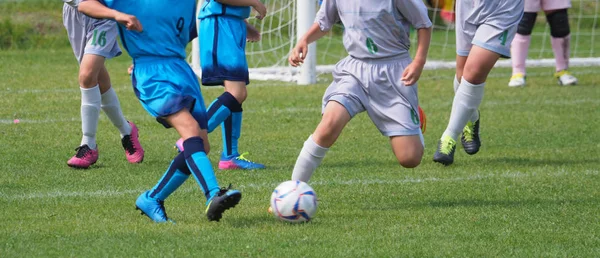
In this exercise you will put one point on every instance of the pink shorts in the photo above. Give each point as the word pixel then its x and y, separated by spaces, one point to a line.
pixel 534 6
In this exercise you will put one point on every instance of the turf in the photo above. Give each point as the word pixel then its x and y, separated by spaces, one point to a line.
pixel 531 191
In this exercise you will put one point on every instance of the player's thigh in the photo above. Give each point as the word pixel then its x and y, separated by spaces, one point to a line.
pixel 408 149
pixel 550 5
pixel 89 70
pixel 104 80
pixel 479 64
pixel 460 66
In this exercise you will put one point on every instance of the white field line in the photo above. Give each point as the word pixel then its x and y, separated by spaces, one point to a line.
pixel 111 193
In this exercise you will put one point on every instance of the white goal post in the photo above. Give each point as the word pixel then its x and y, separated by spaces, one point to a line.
pixel 288 20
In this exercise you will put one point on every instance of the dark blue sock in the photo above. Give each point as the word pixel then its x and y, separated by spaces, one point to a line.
pixel 231 129
pixel 221 109
pixel 175 176
pixel 200 166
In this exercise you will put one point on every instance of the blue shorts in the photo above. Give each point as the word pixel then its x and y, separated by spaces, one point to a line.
pixel 222 42
pixel 164 86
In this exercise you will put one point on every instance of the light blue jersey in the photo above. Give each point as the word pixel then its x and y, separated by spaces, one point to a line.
pixel 162 79
pixel 167 25
pixel 214 8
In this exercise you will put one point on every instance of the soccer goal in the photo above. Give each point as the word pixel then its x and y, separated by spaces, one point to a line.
pixel 287 20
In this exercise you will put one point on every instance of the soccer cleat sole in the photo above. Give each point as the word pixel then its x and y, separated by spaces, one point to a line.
pixel 80 167
pixel 228 203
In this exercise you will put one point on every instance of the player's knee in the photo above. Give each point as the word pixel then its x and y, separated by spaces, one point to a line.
pixel 410 160
pixel 87 78
pixel 527 23
pixel 559 23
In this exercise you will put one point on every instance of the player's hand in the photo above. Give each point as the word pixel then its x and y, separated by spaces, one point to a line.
pixel 298 54
pixel 260 8
pixel 252 35
pixel 130 22
pixel 412 73
pixel 130 69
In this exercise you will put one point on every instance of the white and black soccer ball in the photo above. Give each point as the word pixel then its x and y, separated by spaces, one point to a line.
pixel 294 201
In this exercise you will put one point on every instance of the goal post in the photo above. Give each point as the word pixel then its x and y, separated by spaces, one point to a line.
pixel 305 18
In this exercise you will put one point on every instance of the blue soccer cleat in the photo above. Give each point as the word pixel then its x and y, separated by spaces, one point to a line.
pixel 222 201
pixel 153 208
pixel 239 162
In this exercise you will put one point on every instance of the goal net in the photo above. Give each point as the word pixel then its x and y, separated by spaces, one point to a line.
pixel 289 19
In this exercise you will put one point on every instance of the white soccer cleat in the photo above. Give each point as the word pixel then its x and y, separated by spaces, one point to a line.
pixel 517 80
pixel 565 78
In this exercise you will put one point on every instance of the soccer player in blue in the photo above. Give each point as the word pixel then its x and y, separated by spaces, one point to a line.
pixel 222 34
pixel 169 90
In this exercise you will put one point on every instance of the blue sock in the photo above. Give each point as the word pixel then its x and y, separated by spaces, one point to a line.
pixel 200 166
pixel 175 176
pixel 231 129
pixel 221 109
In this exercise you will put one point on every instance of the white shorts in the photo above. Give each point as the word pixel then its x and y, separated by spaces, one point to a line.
pixel 534 6
pixel 490 24
pixel 375 86
pixel 90 36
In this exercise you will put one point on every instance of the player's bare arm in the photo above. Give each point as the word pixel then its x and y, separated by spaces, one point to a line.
pixel 299 52
pixel 253 35
pixel 256 4
pixel 412 73
pixel 95 9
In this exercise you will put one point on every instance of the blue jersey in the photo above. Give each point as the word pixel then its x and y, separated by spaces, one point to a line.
pixel 214 8
pixel 163 35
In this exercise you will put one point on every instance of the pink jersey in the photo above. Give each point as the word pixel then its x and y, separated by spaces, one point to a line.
pixel 534 6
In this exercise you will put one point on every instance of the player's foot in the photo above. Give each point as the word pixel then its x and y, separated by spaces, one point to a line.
pixel 239 162
pixel 445 151
pixel 565 78
pixel 179 145
pixel 222 201
pixel 423 119
pixel 517 80
pixel 84 158
pixel 470 137
pixel 133 149
pixel 153 208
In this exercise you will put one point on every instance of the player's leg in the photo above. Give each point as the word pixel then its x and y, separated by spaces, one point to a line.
pixel 112 108
pixel 334 119
pixel 561 44
pixel 91 100
pixel 408 149
pixel 520 47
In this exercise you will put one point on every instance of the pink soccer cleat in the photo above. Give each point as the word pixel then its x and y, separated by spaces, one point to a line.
pixel 84 158
pixel 179 145
pixel 132 146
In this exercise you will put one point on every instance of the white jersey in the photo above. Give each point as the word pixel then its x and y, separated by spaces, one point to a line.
pixel 374 29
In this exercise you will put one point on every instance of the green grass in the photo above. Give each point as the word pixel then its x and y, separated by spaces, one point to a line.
pixel 533 190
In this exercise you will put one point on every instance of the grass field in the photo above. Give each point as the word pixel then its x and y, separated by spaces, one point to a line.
pixel 533 190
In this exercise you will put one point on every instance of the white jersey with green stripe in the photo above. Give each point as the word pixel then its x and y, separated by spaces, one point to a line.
pixel 374 29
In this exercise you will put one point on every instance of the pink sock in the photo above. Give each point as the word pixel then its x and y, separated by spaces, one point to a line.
pixel 561 48
pixel 518 50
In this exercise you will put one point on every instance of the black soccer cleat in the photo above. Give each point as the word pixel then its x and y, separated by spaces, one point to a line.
pixel 445 151
pixel 222 201
pixel 470 137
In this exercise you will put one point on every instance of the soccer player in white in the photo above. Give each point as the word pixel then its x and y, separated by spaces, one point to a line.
pixel 560 32
pixel 484 31
pixel 93 41
pixel 378 76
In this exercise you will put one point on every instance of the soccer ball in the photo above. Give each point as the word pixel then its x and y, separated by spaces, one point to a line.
pixel 294 201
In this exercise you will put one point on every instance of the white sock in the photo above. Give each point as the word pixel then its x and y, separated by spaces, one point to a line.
pixel 456 84
pixel 90 112
pixel 466 102
pixel 112 109
pixel 309 159
pixel 475 115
